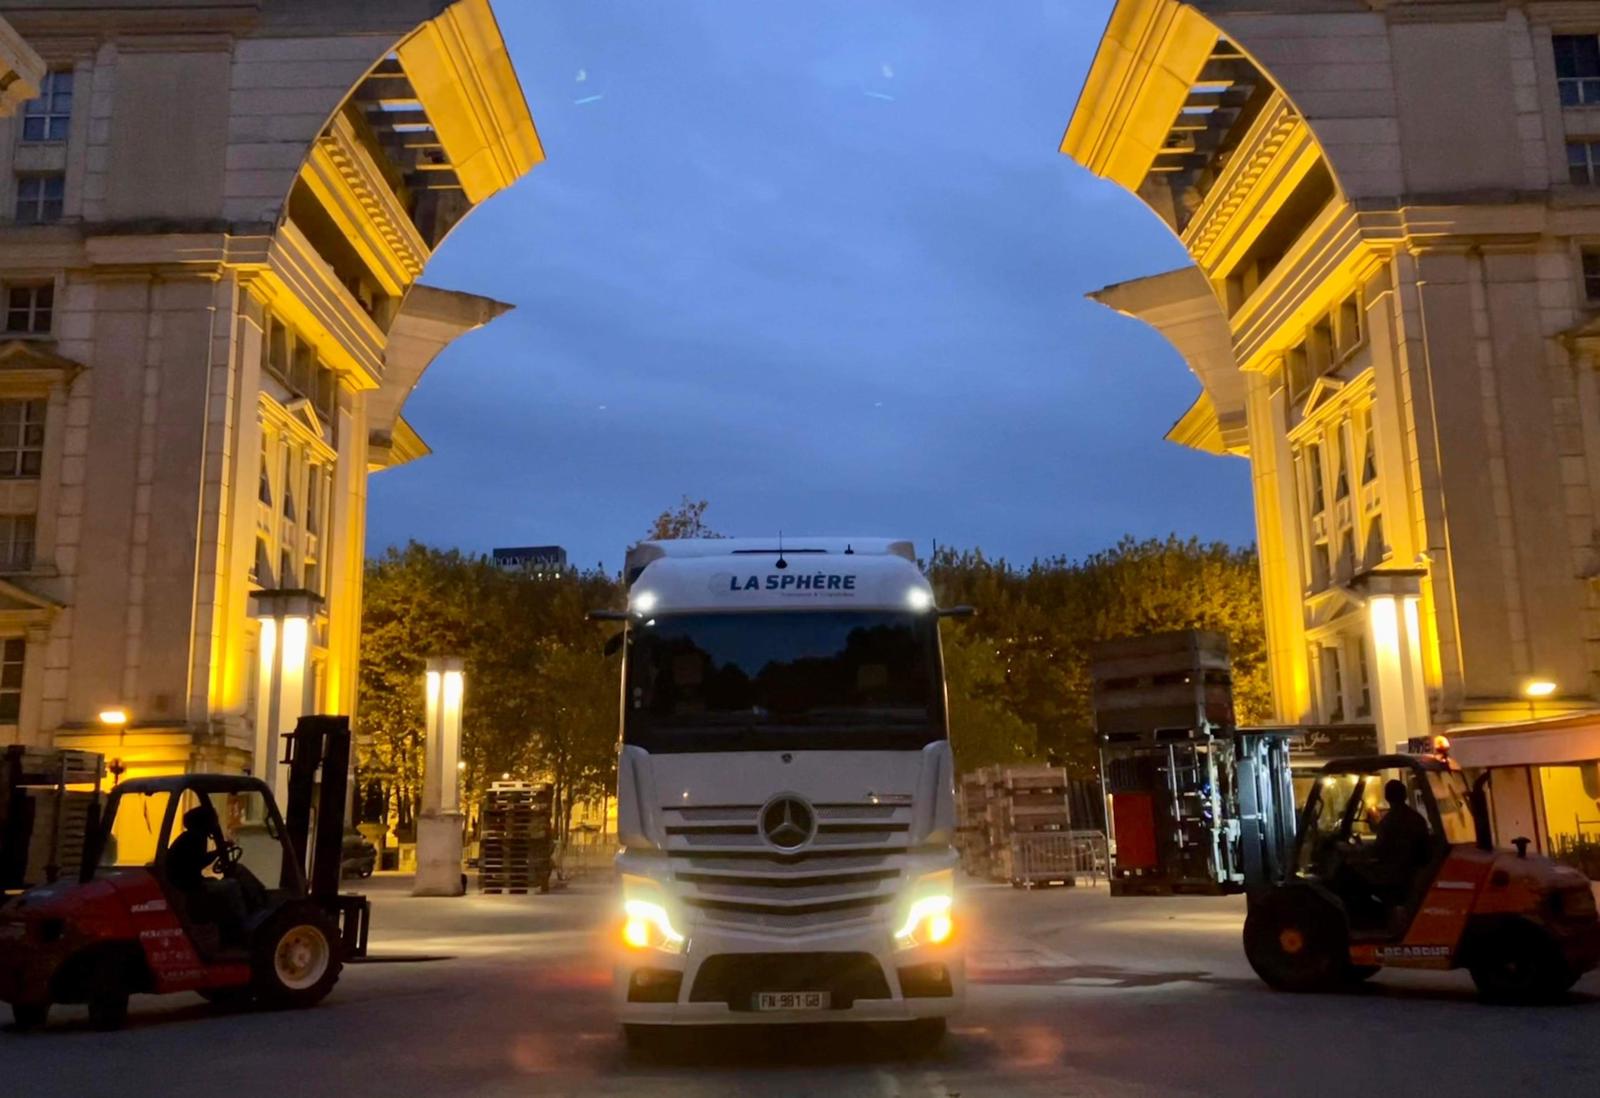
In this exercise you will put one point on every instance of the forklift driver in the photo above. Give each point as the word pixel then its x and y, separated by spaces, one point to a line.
pixel 1403 847
pixel 211 899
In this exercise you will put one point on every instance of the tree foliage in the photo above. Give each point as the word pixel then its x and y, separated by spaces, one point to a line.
pixel 687 521
pixel 542 697
pixel 1038 624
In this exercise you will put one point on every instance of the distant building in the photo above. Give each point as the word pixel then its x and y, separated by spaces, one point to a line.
pixel 538 560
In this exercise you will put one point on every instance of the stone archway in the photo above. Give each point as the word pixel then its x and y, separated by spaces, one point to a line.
pixel 1384 271
pixel 245 210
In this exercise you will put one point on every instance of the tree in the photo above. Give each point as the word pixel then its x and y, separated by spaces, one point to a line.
pixel 984 728
pixel 1042 622
pixel 541 699
pixel 688 521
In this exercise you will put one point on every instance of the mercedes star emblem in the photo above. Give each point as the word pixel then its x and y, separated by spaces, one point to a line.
pixel 788 822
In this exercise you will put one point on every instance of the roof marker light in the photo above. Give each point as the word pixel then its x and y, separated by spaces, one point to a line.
pixel 919 598
pixel 644 602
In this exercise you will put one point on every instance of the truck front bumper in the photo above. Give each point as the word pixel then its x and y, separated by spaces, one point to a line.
pixel 717 977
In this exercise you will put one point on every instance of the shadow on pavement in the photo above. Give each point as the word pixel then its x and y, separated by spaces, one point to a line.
pixel 801 1047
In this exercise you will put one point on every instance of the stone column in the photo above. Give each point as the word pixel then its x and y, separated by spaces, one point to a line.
pixel 1394 645
pixel 439 828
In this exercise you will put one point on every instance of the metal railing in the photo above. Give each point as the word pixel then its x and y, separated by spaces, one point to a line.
pixel 1057 857
pixel 591 858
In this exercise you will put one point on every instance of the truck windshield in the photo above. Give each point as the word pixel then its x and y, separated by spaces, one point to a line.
pixel 862 680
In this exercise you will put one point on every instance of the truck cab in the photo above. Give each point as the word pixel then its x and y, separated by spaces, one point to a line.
pixel 785 789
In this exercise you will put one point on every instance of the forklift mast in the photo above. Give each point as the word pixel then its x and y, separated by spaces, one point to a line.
pixel 318 756
pixel 1198 805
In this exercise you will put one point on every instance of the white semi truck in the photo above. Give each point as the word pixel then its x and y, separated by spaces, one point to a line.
pixel 785 789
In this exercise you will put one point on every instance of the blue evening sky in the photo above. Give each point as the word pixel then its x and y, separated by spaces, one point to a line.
pixel 820 263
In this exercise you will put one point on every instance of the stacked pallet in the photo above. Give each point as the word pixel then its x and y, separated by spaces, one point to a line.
pixel 1011 819
pixel 515 841
pixel 972 830
pixel 48 799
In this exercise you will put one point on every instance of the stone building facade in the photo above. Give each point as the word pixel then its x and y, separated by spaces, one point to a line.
pixel 1394 214
pixel 213 217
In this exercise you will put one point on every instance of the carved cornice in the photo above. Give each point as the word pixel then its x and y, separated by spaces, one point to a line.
pixel 352 188
pixel 303 289
pixel 1261 148
pixel 30 364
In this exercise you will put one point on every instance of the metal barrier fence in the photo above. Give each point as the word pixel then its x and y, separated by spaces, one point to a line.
pixel 1056 857
pixel 585 859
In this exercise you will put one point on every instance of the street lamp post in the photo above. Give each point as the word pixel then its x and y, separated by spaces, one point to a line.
pixel 439 828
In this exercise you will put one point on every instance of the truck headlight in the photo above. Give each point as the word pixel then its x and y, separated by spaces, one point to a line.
pixel 928 919
pixel 646 925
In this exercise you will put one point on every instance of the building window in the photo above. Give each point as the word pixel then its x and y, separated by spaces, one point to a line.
pixel 21 437
pixel 1349 324
pixel 30 309
pixel 1331 658
pixel 1369 453
pixel 1364 693
pixel 16 543
pixel 1318 492
pixel 46 118
pixel 40 198
pixel 1377 547
pixel 12 652
pixel 1583 161
pixel 1577 68
pixel 1591 275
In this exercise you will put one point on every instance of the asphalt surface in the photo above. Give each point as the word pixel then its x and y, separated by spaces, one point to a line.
pixel 1073 993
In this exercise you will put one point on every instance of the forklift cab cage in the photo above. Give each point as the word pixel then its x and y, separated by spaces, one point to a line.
pixel 291 876
pixel 1369 768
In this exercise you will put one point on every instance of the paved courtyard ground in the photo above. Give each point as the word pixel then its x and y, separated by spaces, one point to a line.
pixel 1074 993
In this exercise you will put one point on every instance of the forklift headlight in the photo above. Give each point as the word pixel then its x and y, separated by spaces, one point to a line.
pixel 928 919
pixel 646 925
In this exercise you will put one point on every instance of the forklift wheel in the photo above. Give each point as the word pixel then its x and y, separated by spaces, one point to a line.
pixel 296 959
pixel 1520 964
pixel 1296 941
pixel 26 1016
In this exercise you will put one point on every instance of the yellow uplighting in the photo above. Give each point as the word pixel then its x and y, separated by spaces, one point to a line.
pixel 115 716
pixel 295 632
pixel 1539 688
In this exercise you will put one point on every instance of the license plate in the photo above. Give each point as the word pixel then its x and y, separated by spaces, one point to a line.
pixel 792 1000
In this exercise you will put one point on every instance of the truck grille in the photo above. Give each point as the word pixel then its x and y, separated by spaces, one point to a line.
pixel 848 873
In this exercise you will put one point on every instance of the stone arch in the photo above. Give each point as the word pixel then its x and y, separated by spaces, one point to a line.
pixel 1441 243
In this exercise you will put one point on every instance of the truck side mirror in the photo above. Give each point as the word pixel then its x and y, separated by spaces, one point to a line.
pixel 957 612
pixel 613 643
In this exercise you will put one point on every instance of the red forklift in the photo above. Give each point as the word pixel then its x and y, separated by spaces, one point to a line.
pixel 252 929
pixel 1523 926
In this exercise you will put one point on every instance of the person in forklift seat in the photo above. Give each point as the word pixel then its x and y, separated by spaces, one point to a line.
pixel 1403 847
pixel 211 899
